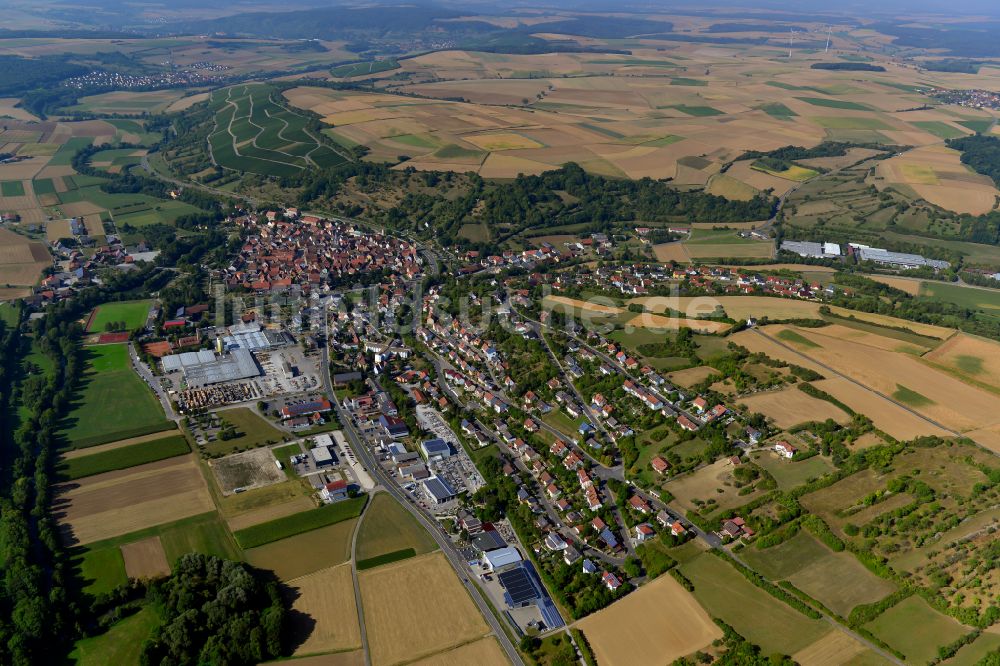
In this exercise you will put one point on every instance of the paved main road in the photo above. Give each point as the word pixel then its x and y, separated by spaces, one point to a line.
pixel 442 540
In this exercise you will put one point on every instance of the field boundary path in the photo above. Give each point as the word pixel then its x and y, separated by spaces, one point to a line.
pixel 358 603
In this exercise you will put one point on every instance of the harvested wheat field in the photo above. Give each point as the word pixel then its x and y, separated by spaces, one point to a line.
pixel 270 512
pixel 671 252
pixel 649 320
pixel 21 259
pixel 791 406
pixel 484 652
pixel 970 357
pixel 145 559
pixel 353 658
pixel 929 391
pixel 834 649
pixel 588 306
pixel 929 330
pixel 655 625
pixel 988 437
pixel 327 597
pixel 937 175
pixel 416 608
pixel 90 450
pixel 885 414
pixel 757 342
pixel 910 285
pixel 691 376
pixel 865 338
pixel 115 503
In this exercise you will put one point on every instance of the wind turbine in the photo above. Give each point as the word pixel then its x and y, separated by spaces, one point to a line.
pixel 791 41
pixel 829 34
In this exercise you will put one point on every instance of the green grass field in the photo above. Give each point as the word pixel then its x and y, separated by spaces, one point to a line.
pixel 253 431
pixel 976 125
pixel 717 237
pixel 778 110
pixel 121 644
pixel 697 111
pixel 987 300
pixel 796 338
pixel 12 188
pixel 100 565
pixel 43 186
pixel 755 614
pixel 683 81
pixel 851 123
pixel 940 129
pixel 897 627
pixel 364 68
pixel 133 313
pixel 125 457
pixel 386 558
pixel 971 654
pixel 282 528
pixel 910 397
pixel 835 104
pixel 112 402
pixel 790 474
pixel 388 528
pixel 307 552
pixel 64 156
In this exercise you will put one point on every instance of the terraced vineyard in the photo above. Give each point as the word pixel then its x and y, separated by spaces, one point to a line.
pixel 253 132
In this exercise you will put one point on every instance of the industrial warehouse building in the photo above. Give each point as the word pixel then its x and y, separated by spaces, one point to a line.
pixel 204 368
pixel 435 449
pixel 254 338
pixel 439 490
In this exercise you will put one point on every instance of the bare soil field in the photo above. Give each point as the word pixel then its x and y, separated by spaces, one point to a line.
pixel 675 252
pixel 943 398
pixel 885 414
pixel 250 469
pixel 416 608
pixel 657 624
pixel 327 598
pixel 106 505
pixel 791 406
pixel 145 559
pixel 484 652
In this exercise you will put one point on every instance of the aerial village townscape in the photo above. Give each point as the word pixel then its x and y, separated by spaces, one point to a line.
pixel 436 334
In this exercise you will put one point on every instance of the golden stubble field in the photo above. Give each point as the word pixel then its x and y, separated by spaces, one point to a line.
pixel 790 406
pixel 668 110
pixel 655 625
pixel 416 608
pixel 327 598
pixel 145 558
pixel 940 397
pixel 937 174
pixel 115 503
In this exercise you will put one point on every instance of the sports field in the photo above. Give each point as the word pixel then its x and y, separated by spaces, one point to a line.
pixel 654 625
pixel 255 132
pixel 387 527
pixel 132 313
pixel 416 608
pixel 112 402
